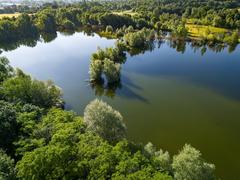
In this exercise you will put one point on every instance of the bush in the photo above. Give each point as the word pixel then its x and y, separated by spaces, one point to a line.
pixel 109 29
pixel 8 124
pixel 134 39
pixel 68 25
pixel 112 71
pixel 6 70
pixel 188 165
pixel 139 39
pixel 104 121
pixel 95 70
pixel 6 167
pixel 22 88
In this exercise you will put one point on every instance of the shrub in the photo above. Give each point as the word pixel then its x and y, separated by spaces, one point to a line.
pixel 95 70
pixel 188 165
pixel 22 88
pixel 104 121
pixel 6 70
pixel 6 166
pixel 109 29
pixel 112 71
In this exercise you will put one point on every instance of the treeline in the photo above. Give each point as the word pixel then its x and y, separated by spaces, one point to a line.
pixel 152 15
pixel 40 140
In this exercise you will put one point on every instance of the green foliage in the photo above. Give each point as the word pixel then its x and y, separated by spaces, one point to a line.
pixel 27 119
pixel 16 121
pixel 188 165
pixel 68 25
pixel 181 31
pixel 67 18
pixel 109 29
pixel 107 61
pixel 7 171
pixel 104 121
pixel 25 27
pixel 111 70
pixel 13 30
pixel 124 17
pixel 69 152
pixel 116 21
pixel 7 30
pixel 22 88
pixel 160 159
pixel 114 54
pixel 232 39
pixel 134 39
pixel 8 125
pixel 139 39
pixel 95 70
pixel 63 146
pixel 6 71
pixel 45 21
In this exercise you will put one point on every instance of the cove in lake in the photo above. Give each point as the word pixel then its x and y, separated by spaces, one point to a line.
pixel 170 95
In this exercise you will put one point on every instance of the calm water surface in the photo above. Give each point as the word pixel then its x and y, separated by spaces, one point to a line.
pixel 167 97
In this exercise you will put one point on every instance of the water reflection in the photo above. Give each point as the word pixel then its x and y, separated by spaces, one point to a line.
pixel 30 42
pixel 126 90
pixel 48 37
pixel 226 87
pixel 177 44
pixel 108 90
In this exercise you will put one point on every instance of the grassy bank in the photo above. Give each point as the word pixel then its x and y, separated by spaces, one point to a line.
pixel 199 31
pixel 9 15
pixel 127 12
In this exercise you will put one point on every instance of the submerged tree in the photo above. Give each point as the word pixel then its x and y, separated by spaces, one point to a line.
pixel 107 61
pixel 135 39
pixel 95 70
pixel 112 71
pixel 103 120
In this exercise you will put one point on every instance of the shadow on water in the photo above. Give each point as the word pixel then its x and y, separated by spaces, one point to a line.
pixel 124 91
pixel 217 75
pixel 29 42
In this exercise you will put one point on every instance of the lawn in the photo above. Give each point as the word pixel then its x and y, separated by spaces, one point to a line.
pixel 197 31
pixel 9 15
pixel 127 12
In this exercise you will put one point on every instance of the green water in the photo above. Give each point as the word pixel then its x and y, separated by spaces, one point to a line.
pixel 167 97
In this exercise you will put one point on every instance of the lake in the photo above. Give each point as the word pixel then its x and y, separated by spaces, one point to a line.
pixel 171 95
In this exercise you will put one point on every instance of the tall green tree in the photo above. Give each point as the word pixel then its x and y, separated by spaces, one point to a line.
pixel 188 165
pixel 104 121
pixel 6 71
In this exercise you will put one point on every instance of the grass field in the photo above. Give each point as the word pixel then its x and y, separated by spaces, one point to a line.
pixel 128 12
pixel 197 31
pixel 9 15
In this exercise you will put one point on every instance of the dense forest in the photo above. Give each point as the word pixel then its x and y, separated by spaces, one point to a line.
pixel 206 21
pixel 41 140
